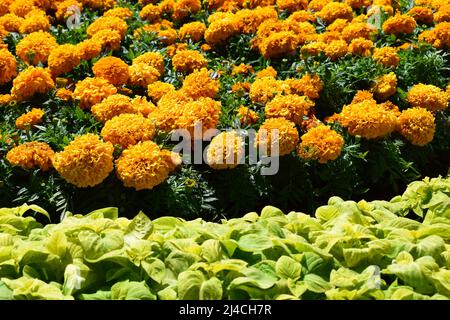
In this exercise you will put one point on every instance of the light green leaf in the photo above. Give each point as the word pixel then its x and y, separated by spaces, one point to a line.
pixel 131 290
pixel 211 289
pixel 288 268
pixel 189 284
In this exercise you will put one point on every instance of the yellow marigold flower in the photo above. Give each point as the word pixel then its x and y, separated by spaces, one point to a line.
pixel 107 23
pixel 443 14
pixel 292 107
pixel 91 91
pixel 184 8
pixel 193 30
pixel 102 5
pixel 267 72
pixel 247 116
pixel 357 30
pixel 10 22
pixel 188 60
pixel 317 5
pixel 145 165
pixel 30 119
pixel 358 4
pixel 64 94
pixel 141 75
pixel 112 106
pixel 385 86
pixel 389 106
pixel 8 66
pixel 338 25
pixel 313 48
pixel 153 59
pixel 43 4
pixel 5 99
pixel 176 47
pixel 170 108
pixel 241 87
pixel 336 49
pixel 292 5
pixel 387 56
pixel 363 95
pixel 35 21
pixel 250 20
pixel 264 89
pixel 36 47
pixel 112 69
pixel 439 37
pixel 399 24
pixel 260 3
pixel 119 12
pixel 278 44
pixel 110 40
pixel 417 126
pixel 151 13
pixel 283 130
pixel 226 151
pixel 88 49
pixel 204 112
pixel 128 129
pixel 86 161
pixel 30 81
pixel 200 84
pixel 360 47
pixel 168 36
pixel 31 155
pixel 308 85
pixel 368 120
pixel 301 16
pixel 427 96
pixel 67 8
pixel 221 30
pixel 421 15
pixel 321 143
pixel 158 89
pixel 4 6
pixel 63 59
pixel 21 7
pixel 335 10
pixel 205 47
pixel 242 69
pixel 142 106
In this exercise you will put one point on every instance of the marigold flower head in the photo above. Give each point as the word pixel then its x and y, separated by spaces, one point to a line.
pixel 363 95
pixel 421 15
pixel 376 10
pixel 385 86
pixel 36 47
pixel 242 69
pixel 321 143
pixel 119 12
pixel 387 56
pixel 313 48
pixel 91 91
pixel 158 89
pixel 112 69
pixel 145 165
pixel 301 16
pixel 278 44
pixel 335 10
pixel 292 5
pixel 226 151
pixel 31 81
pixel 67 8
pixel 153 59
pixel 184 8
pixel 360 47
pixel 63 59
pixel 201 84
pixel 176 47
pixel 399 24
pixel 358 4
pixel 188 60
pixel 112 106
pixel 439 37
pixel 264 89
pixel 142 106
pixel 86 161
pixel 427 96
pixel 241 87
pixel 128 129
pixel 109 40
pixel 10 22
pixel 5 99
pixel 102 5
pixel 292 107
pixel 336 49
pixel 368 120
pixel 151 13
pixel 247 116
pixel 31 155
pixel 222 29
pixel 107 23
pixel 338 25
pixel 8 66
pixel 317 5
pixel 4 6
pixel 88 49
pixel 250 20
pixel 417 126
pixel 21 7
pixel 64 94
pixel 193 30
pixel 169 109
pixel 267 72
pixel 356 30
pixel 141 75
pixel 277 131
pixel 30 119
pixel 442 15
pixel 35 21
pixel 309 86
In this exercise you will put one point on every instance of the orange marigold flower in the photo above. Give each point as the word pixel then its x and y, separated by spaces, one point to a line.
pixel 338 25
pixel 221 30
pixel 158 89
pixel 360 47
pixel 301 16
pixel 317 5
pixel 292 5
pixel 241 87
pixel 443 14
pixel 335 10
pixel 21 7
pixel 264 89
pixel 368 120
pixel 153 59
pixel 278 44
pixel 267 72
pixel 91 91
pixel 145 165
pixel 439 37
pixel 10 22
pixel 277 131
pixel 112 69
pixel 4 6
pixel 417 126
pixel 357 30
pixel 427 96
pixel 421 15
pixel 151 13
pixel 63 59
pixel 226 151
pixel 5 99
pixel 112 106
pixel 102 5
pixel 250 20
pixel 30 81
pixel 8 66
pixel 67 8
pixel 308 85
pixel 385 86
pixel 170 108
pixel 313 48
pixel 242 69
pixel 86 161
pixel 36 47
pixel 176 47
pixel 35 21
pixel 399 24
pixel 31 155
pixel 183 8
pixel 88 49
pixel 321 143
pixel 110 40
pixel 336 49
pixel 64 94
pixel 292 107
pixel 188 60
pixel 200 84
pixel 358 4
pixel 141 75
pixel 142 106
pixel 363 95
pixel 128 129
pixel 247 116
pixel 119 12
pixel 107 23
pixel 193 30
pixel 387 56
pixel 30 119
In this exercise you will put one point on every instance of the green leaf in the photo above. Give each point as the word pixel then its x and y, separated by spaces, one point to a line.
pixel 254 242
pixel 139 228
pixel 211 289
pixel 288 268
pixel 189 284
pixel 316 283
pixel 131 290
pixel 269 211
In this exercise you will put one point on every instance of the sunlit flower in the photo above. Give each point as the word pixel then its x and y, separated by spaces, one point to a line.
pixel 141 75
pixel 30 82
pixel 277 131
pixel 31 155
pixel 417 126
pixel 226 151
pixel 8 66
pixel 112 106
pixel 93 90
pixel 200 83
pixel 63 59
pixel 30 119
pixel 321 143
pixel 112 69
pixel 427 96
pixel 36 47
pixel 292 107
